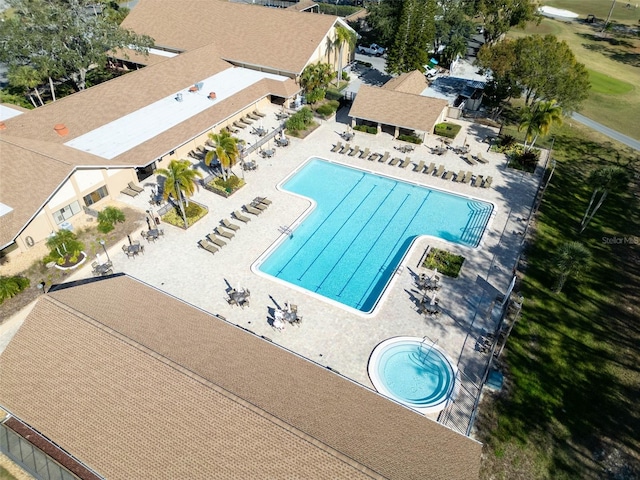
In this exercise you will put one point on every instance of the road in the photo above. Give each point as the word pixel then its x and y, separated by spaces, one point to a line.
pixel 635 144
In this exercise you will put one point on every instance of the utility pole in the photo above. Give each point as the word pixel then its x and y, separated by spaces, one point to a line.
pixel 613 4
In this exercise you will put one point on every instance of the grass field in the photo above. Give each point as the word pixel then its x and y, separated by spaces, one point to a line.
pixel 572 377
pixel 615 97
pixel 599 8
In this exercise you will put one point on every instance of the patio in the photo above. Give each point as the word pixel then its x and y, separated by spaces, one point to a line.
pixel 330 335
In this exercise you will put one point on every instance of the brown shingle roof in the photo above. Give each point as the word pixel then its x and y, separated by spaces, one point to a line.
pixel 281 39
pixel 411 82
pixel 137 384
pixel 397 108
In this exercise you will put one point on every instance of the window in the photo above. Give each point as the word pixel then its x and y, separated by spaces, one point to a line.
pixel 67 212
pixel 95 196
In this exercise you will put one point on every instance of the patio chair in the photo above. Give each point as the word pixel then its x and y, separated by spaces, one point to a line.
pixel 469 159
pixel 336 147
pixel 207 246
pixel 373 157
pixel 135 187
pixel 394 161
pixel 252 210
pixel 260 206
pixel 246 121
pixel 477 181
pixel 264 200
pixel 384 158
pixel 229 225
pixel 215 240
pixel 239 216
pixel 467 177
pixel 354 151
pixel 448 175
pixel 258 113
pixel 130 192
pixel 418 166
pixel 481 159
pixel 459 176
pixel 440 171
pixel 405 162
pixel 128 253
pixel 223 233
pixel 430 168
pixel 239 125
pixel 253 116
pixel 231 129
pixel 345 149
pixel 365 153
pixel 487 182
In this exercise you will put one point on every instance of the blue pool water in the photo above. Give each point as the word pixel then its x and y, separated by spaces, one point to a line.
pixel 349 246
pixel 416 374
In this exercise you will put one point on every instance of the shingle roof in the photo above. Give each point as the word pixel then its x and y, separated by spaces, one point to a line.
pixel 137 384
pixel 397 108
pixel 411 82
pixel 282 39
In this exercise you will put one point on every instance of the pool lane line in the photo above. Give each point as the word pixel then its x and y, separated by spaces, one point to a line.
pixel 328 242
pixel 322 223
pixel 371 215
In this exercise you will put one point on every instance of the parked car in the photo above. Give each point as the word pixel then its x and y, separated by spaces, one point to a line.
pixel 373 49
pixel 430 72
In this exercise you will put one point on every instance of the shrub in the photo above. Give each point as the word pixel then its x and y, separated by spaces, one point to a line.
pixel 449 130
pixel 315 95
pixel 505 143
pixel 366 129
pixel 108 217
pixel 225 187
pixel 11 286
pixel 520 159
pixel 193 211
pixel 327 109
pixel 300 120
pixel 410 139
pixel 447 263
pixel 62 245
pixel 345 76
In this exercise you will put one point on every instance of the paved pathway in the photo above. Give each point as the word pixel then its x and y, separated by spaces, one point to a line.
pixel 609 132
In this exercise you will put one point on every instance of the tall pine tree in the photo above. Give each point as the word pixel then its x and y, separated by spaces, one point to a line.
pixel 414 35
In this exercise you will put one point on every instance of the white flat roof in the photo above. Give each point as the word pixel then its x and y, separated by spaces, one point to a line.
pixel 125 133
pixel 162 53
pixel 7 112
pixel 4 209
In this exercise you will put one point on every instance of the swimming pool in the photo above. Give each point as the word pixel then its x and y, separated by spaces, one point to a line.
pixel 414 372
pixel 351 243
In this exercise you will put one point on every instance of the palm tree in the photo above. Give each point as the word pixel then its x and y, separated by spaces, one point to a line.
pixel 180 183
pixel 344 36
pixel 605 180
pixel 572 259
pixel 314 80
pixel 538 119
pixel 26 77
pixel 225 149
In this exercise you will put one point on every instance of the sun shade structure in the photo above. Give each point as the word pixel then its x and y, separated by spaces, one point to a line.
pixel 169 391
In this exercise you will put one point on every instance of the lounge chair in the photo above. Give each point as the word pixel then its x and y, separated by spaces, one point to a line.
pixel 345 149
pixel 207 246
pixel 448 175
pixel 354 151
pixel 394 161
pixel 459 176
pixel 440 171
pixel 224 233
pixel 259 205
pixel 134 187
pixel 487 182
pixel 481 159
pixel 229 225
pixel 232 129
pixel 365 153
pixel 419 166
pixel 253 116
pixel 405 162
pixel 128 191
pixel 252 210
pixel 469 159
pixel 258 113
pixel 467 177
pixel 373 157
pixel 239 125
pixel 430 168
pixel 477 181
pixel 264 200
pixel 337 147
pixel 246 121
pixel 384 158
pixel 215 240
pixel 239 216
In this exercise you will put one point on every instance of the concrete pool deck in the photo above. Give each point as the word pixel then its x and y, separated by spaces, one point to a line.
pixel 330 335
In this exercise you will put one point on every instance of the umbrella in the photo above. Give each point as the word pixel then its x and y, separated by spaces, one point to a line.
pixel 148 223
pixel 129 237
pixel 433 300
pixel 435 272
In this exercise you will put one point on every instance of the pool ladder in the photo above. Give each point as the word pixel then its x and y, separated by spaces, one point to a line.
pixel 422 353
pixel 285 230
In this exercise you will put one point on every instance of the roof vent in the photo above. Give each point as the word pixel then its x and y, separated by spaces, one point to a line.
pixel 61 129
pixel 179 97
pixel 193 89
pixel 199 85
pixel 3 126
pixel 212 96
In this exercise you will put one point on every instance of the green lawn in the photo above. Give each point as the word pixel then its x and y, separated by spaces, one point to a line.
pixel 602 83
pixel 572 382
pixel 599 8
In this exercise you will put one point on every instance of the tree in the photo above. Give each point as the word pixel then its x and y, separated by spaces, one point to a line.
pixel 414 35
pixel 572 260
pixel 225 149
pixel 64 243
pixel 545 69
pixel 499 16
pixel 180 183
pixel 315 79
pixel 28 78
pixel 343 36
pixel 63 37
pixel 538 120
pixel 452 29
pixel 603 180
pixel 108 217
